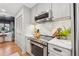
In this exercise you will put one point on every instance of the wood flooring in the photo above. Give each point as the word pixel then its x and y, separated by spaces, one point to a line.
pixel 9 48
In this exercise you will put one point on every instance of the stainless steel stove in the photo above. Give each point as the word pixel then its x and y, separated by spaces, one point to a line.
pixel 39 47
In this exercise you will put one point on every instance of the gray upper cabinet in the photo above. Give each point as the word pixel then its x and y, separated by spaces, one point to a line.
pixel 60 10
pixel 43 7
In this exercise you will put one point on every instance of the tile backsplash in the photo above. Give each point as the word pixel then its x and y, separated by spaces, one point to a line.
pixel 49 27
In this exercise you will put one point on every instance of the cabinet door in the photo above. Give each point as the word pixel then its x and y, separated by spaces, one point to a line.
pixel 43 7
pixel 58 50
pixel 38 9
pixel 51 53
pixel 60 10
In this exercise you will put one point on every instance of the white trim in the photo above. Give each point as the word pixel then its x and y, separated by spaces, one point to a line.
pixel 72 26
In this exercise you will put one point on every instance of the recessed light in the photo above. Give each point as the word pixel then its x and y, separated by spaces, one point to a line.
pixel 3 10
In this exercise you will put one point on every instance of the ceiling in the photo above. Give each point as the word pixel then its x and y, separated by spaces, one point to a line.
pixel 12 8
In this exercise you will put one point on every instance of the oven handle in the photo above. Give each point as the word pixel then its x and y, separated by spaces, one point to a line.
pixel 57 50
pixel 37 44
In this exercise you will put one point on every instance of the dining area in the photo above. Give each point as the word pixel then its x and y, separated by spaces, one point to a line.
pixel 6 29
pixel 6 37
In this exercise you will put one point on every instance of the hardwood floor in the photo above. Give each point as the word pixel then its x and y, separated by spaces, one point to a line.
pixel 9 48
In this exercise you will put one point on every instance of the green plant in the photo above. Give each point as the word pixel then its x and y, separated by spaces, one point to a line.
pixel 65 32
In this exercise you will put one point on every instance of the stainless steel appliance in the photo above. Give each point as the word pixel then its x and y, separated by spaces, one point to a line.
pixel 39 48
pixel 44 17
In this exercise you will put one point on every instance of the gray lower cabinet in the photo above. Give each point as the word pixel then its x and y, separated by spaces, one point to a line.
pixel 54 50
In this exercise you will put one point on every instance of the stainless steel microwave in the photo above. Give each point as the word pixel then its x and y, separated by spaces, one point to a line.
pixel 46 16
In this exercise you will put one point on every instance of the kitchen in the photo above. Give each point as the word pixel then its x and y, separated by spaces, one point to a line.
pixel 41 29
pixel 42 22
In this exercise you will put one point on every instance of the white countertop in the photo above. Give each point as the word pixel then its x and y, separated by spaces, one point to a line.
pixel 28 35
pixel 62 43
pixel 58 42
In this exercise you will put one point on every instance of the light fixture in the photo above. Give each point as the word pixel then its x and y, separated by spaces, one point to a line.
pixel 3 10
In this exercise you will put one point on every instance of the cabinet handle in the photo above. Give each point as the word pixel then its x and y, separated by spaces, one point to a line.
pixel 57 49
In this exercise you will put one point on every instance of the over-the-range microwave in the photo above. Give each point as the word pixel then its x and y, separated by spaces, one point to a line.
pixel 46 16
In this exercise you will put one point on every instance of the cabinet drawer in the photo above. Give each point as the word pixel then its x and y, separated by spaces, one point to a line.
pixel 59 50
pixel 51 53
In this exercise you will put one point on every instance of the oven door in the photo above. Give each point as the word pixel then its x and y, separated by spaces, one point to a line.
pixel 38 49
